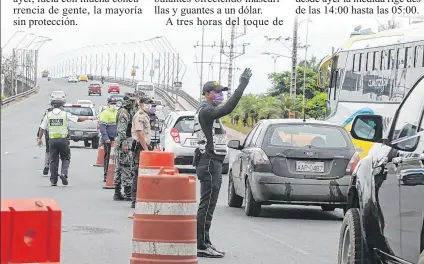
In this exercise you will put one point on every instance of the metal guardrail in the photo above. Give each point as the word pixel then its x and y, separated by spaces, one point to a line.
pixel 20 95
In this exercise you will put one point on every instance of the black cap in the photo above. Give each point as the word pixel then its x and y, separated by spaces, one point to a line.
pixel 213 86
pixel 145 100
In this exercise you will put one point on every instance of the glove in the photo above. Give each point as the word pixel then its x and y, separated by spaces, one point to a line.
pixel 245 76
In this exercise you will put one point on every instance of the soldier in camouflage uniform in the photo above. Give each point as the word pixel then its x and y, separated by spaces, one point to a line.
pixel 123 143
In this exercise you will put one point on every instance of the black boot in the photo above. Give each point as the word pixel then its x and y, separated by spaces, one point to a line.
pixel 118 196
pixel 127 193
pixel 133 204
pixel 46 171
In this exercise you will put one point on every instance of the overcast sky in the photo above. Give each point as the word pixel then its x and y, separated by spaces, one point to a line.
pixel 325 32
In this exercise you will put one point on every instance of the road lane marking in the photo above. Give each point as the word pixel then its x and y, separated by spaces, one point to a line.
pixel 301 251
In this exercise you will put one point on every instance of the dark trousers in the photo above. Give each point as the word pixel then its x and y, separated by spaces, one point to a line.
pixel 107 147
pixel 134 171
pixel 209 173
pixel 59 146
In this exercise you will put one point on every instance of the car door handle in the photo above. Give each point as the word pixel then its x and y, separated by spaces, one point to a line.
pixel 412 177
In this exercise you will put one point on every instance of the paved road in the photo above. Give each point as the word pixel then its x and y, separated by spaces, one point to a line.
pixel 96 229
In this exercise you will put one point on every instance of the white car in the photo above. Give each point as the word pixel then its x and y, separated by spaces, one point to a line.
pixel 72 79
pixel 86 102
pixel 177 137
pixel 58 95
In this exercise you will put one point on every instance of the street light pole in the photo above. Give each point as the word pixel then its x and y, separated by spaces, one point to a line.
pixel 304 66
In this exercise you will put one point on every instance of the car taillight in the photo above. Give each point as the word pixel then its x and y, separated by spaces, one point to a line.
pixel 353 163
pixel 261 162
pixel 175 134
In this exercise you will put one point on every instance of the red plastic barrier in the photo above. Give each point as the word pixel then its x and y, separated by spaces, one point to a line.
pixel 30 231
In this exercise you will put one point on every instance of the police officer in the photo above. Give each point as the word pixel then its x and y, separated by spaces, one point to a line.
pixel 46 138
pixel 56 123
pixel 154 127
pixel 140 131
pixel 210 155
pixel 108 131
pixel 123 143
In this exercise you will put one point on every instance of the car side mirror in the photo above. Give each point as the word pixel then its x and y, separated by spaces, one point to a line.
pixel 368 128
pixel 234 144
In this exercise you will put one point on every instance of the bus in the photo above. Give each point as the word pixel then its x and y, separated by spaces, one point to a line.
pixel 371 74
pixel 147 88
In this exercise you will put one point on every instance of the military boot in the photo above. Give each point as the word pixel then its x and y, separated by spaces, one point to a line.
pixel 118 196
pixel 127 193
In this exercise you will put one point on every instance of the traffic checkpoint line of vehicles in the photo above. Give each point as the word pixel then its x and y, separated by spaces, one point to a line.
pixel 384 241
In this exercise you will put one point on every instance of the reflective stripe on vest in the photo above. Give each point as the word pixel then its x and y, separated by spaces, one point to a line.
pixel 219 140
pixel 57 125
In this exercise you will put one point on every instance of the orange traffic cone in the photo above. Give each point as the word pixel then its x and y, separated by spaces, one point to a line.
pixel 100 156
pixel 110 173
pixel 112 149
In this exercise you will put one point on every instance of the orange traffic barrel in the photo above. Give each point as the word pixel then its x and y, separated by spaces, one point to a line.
pixel 30 231
pixel 110 174
pixel 100 156
pixel 164 226
pixel 151 161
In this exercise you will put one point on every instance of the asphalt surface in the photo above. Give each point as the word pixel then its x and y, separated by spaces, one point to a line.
pixel 96 230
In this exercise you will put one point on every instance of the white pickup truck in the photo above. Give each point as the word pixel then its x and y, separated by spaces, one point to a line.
pixel 87 130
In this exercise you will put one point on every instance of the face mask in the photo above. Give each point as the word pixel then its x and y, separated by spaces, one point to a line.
pixel 146 107
pixel 218 98
pixel 113 107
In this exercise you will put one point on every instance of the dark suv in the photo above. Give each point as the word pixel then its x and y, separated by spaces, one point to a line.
pixel 90 77
pixel 385 217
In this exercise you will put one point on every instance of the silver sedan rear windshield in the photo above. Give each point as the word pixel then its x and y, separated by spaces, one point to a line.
pixel 319 136
pixel 79 111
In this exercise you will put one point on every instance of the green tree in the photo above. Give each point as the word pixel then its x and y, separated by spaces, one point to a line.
pixel 281 82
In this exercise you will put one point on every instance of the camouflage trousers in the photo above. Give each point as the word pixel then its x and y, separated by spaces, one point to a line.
pixel 123 172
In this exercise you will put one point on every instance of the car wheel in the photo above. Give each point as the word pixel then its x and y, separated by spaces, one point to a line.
pixel 351 247
pixel 327 208
pixel 225 168
pixel 100 94
pixel 233 199
pixel 89 94
pixel 251 208
pixel 95 143
pixel 86 143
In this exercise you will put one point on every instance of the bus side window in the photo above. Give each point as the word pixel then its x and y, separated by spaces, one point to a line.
pixel 401 59
pixel 336 83
pixel 391 59
pixel 363 62
pixel 356 62
pixel 384 60
pixel 370 61
pixel 377 61
pixel 419 57
pixel 409 57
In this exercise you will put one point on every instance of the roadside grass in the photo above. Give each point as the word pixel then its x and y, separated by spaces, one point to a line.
pixel 238 127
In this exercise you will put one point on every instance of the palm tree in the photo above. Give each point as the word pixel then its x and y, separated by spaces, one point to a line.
pixel 269 107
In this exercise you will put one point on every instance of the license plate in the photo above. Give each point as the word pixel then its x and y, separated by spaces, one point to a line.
pixel 78 133
pixel 309 166
pixel 193 143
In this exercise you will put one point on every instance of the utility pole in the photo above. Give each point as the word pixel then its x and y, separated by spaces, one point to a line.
pixel 294 60
pixel 233 54
pixel 221 45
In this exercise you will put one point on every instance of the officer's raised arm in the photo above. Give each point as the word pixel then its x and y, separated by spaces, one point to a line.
pixel 228 107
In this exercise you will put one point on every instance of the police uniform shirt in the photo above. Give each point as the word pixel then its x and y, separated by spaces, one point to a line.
pixel 70 118
pixel 141 122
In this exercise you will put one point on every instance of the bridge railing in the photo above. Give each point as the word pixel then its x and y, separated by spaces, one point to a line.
pixel 15 97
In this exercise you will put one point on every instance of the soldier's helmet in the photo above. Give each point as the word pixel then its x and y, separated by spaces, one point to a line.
pixel 111 100
pixel 57 103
